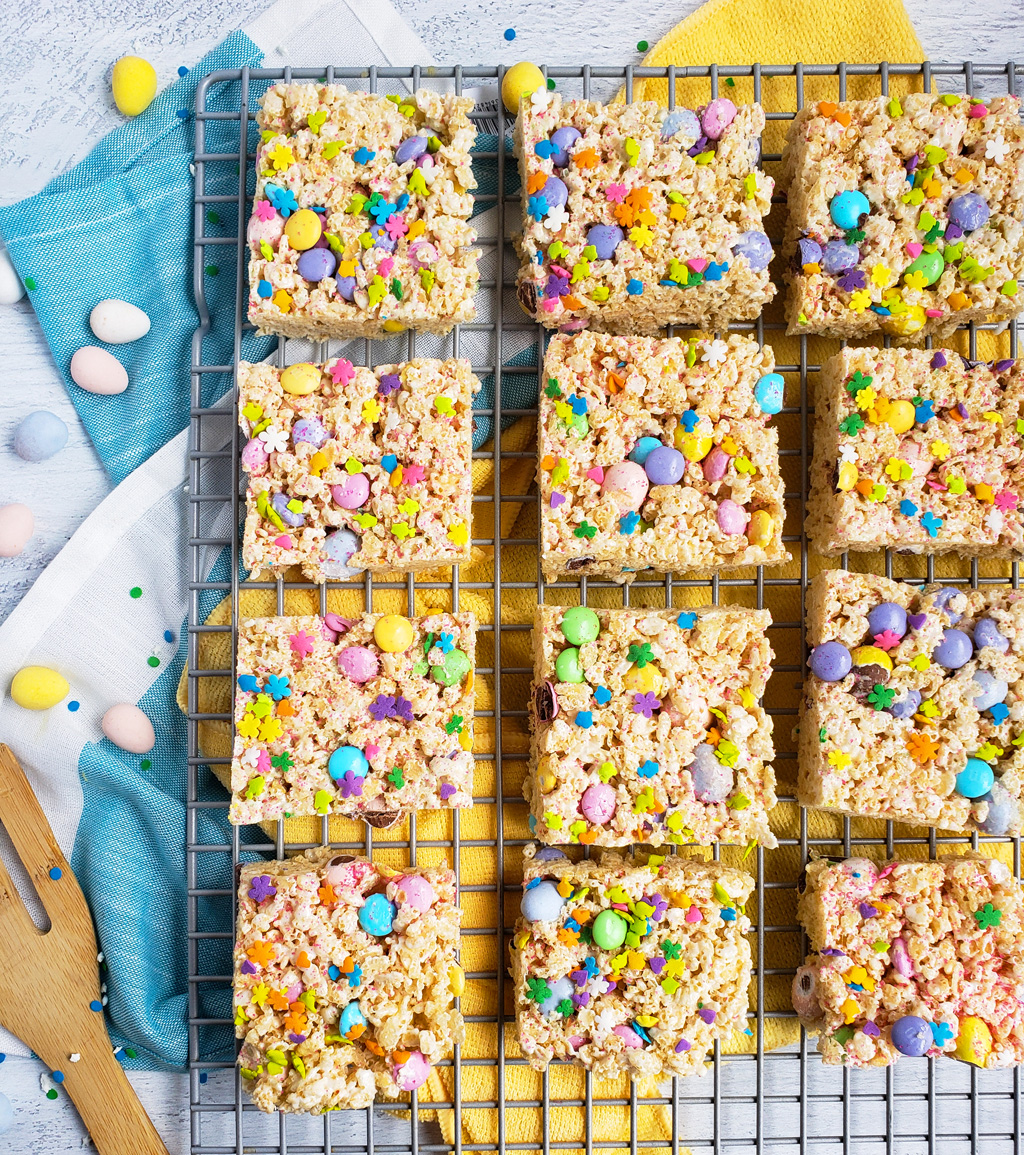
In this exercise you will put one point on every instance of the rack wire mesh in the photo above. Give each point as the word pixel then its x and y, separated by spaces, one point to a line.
pixel 768 1099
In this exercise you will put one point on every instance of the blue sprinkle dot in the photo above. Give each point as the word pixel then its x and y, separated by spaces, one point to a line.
pixel 265 289
pixel 183 113
pixel 203 1076
pixel 56 872
pixel 635 287
pixel 95 1005
pixel 73 706
pixel 168 636
pixel 2 1056
pixel 510 34
pixel 182 70
pixel 58 1076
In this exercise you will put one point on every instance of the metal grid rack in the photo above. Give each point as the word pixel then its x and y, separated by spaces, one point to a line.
pixel 764 1101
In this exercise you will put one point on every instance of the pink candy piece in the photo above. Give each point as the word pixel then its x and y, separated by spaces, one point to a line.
pixel 731 517
pixel 412 1074
pixel 352 492
pixel 359 663
pixel 371 750
pixel 412 474
pixel 263 762
pixel 717 117
pixel 628 1036
pixel 693 914
pixel 977 111
pixel 626 483
pixel 270 230
pixel 348 875
pixel 933 312
pixel 254 456
pixel 414 890
pixel 283 542
pixel 576 1041
pixel 915 248
pixel 715 464
pixel 422 254
pixel 901 958
pixel 338 624
pixel 698 264
pixel 425 161
pixel 598 803
pixel 596 474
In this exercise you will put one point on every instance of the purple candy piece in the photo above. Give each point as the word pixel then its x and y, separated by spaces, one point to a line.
pixel 953 232
pixel 280 503
pixel 954 650
pixel 1002 366
pixel 942 600
pixel 680 120
pixel 605 238
pixel 838 256
pixel 665 465
pixel 871 1030
pixel 911 1036
pixel 563 139
pixel 887 616
pixel 901 958
pixel 707 1014
pixel 831 661
pixel 717 117
pixel 756 247
pixel 254 455
pixel 311 430
pixel 555 192
pixel 346 287
pixel 968 212
pixel 810 251
pixel 867 910
pixel 682 1046
pixel 247 968
pixel 939 360
pixel 987 633
pixel 410 148
pixel 548 854
pixel 907 706
pixel 447 790
pixel 917 621
pixel 657 965
pixel 381 240
pixel 315 264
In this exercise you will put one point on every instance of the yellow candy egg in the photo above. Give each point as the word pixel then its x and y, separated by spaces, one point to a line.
pixel 903 324
pixel 974 1042
pixel 693 446
pixel 760 528
pixel 642 679
pixel 546 779
pixel 303 229
pixel 133 84
pixel 901 416
pixel 847 476
pixel 522 79
pixel 456 979
pixel 393 633
pixel 871 656
pixel 38 688
pixel 300 379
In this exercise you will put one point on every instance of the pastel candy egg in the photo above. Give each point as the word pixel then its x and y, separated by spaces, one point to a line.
pixel 118 322
pixel 626 483
pixel 643 449
pixel 606 239
pixel 954 650
pixel 987 690
pixel 258 230
pixel 580 625
pixel 1003 811
pixel 563 139
pixel 128 727
pixel 38 688
pixel 847 478
pixel 338 549
pixel 642 679
pixel 768 392
pixel 968 212
pixel 359 663
pixel 16 525
pixel 410 148
pixel 413 1073
pixel 346 287
pixel 351 1016
pixel 871 656
pixel 693 446
pixel 522 79
pixel 352 492
pixel 254 455
pixel 310 430
pixel 555 192
pixel 567 665
pixel 133 83
pixel 847 208
pixel 809 251
pixel 681 121
pixel 382 239
pixel 715 464
pixel 629 1037
pixel 346 760
pixel 11 288
pixel 755 247
pixel 942 601
pixel 887 616
pixel 911 1036
pixel 831 661
pixel 931 264
pixel 907 706
pixel 453 669
pixel 548 854
pixel 901 959
pixel 598 803
pixel 282 503
pixel 665 465
pixel 414 890
pixel 987 633
pixel 900 416
pixel 423 254
pixel 712 780
pixel 717 117
pixel 609 930
pixel 838 256
pixel 97 371
pixel 541 903
pixel 903 324
pixel 975 779
pixel 303 229
pixel 39 436
pixel 974 1041
pixel 760 529
pixel 731 518
pixel 300 380
pixel 393 633
pixel 315 264
pixel 425 161
pixel 560 989
pixel 377 915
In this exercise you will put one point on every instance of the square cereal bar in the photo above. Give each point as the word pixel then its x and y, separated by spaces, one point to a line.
pixel 344 979
pixel 369 717
pixel 360 222
pixel 647 726
pixel 912 709
pixel 354 469
pixel 635 217
pixel 913 958
pixel 904 215
pixel 655 454
pixel 627 967
pixel 917 450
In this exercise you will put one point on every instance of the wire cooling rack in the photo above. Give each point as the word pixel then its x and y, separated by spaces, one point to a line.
pixel 763 1101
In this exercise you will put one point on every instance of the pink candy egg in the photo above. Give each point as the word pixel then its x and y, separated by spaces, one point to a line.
pixel 254 455
pixel 16 525
pixel 97 371
pixel 269 231
pixel 345 875
pixel 598 803
pixel 412 1074
pixel 352 492
pixel 628 1036
pixel 901 959
pixel 626 483
pixel 359 663
pixel 128 727
pixel 715 464
pixel 414 890
pixel 731 517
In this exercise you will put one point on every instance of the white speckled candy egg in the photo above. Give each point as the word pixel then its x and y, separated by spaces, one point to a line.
pixel 126 726
pixel 97 371
pixel 16 525
pixel 117 322
pixel 11 288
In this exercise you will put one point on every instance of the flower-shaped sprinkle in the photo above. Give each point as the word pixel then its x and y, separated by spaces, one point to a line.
pixel 386 706
pixel 640 654
pixel 274 439
pixel 389 383
pixel 645 704
pixel 921 747
pixel 1005 500
pixel 445 643
pixel 616 193
pixel 996 148
pixel 277 687
pixel 887 640
pixel 715 352
pixel 540 98
pixel 264 211
pixel 931 523
pixel 556 218
pixel 351 784
pixel 396 228
pixel 853 280
pixel 301 643
pixel 881 697
pixel 988 916
pixel 261 888
pixel 629 521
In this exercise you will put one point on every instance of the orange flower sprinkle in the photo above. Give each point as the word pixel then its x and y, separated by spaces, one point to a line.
pixel 585 158
pixel 922 748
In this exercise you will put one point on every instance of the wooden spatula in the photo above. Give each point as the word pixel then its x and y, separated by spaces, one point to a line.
pixel 50 979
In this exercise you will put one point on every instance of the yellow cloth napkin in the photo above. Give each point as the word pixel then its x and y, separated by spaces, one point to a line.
pixel 729 32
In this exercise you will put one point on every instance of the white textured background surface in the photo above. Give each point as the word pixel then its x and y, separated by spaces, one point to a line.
pixel 54 88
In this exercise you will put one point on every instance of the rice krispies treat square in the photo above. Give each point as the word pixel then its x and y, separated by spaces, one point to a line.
pixel 630 967
pixel 678 215
pixel 354 469
pixel 912 709
pixel 360 224
pixel 344 979
pixel 606 404
pixel 904 215
pixel 369 717
pixel 917 450
pixel 647 727
pixel 913 958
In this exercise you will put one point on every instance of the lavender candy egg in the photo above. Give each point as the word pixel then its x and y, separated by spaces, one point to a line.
pixel 280 503
pixel 598 803
pixel 555 192
pixel 755 247
pixel 626 484
pixel 410 148
pixel 606 239
pixel 358 663
pixel 942 600
pixel 381 240
pixel 541 903
pixel 715 464
pixel 664 465
pixel 338 547
pixel 270 231
pixel 681 120
pixel 717 117
pixel 838 256
pixel 954 650
pixel 254 455
pixel 548 854
pixel 968 212
pixel 987 690
pixel 987 633
pixel 316 264
pixel 352 492
pixel 310 430
pixel 831 661
pixel 1003 811
pixel 810 251
pixel 346 287
pixel 887 616
pixel 731 518
pixel 907 706
pixel 805 993
pixel 563 139
pixel 712 780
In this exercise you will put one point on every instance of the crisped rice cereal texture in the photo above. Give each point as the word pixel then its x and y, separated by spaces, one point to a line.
pixel 301 958
pixel 407 428
pixel 295 706
pixel 655 1006
pixel 919 451
pixel 942 941
pixel 400 232
pixel 656 685
pixel 911 158
pixel 680 215
pixel 697 396
pixel 857 758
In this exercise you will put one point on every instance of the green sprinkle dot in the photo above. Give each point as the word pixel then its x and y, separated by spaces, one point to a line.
pixel 130 1052
pixel 146 764
pixel 212 270
pixel 213 218
pixel 730 82
pixel 30 283
pixel 51 1094
pixel 551 85
pixel 642 46
pixel 135 592
pixel 154 661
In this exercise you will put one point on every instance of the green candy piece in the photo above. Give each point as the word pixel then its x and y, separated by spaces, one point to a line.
pixel 422 668
pixel 579 424
pixel 580 624
pixel 454 669
pixel 931 264
pixel 567 666
pixel 609 930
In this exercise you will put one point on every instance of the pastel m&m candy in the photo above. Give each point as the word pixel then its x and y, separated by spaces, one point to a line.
pixel 345 760
pixel 303 229
pixel 300 380
pixel 377 915
pixel 541 903
pixel 609 930
pixel 134 85
pixel 393 633
pixel 522 79
pixel 580 624
pixel 847 208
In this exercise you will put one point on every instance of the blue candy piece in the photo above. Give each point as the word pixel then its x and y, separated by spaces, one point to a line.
pixel 907 706
pixel 363 155
pixel 712 781
pixel 643 449
pixel 352 1015
pixel 887 616
pixel 954 650
pixel 377 915
pixel 563 139
pixel 310 430
pixel 333 973
pixel 280 502
pixel 635 287
pixel 847 208
pixel 338 547
pixel 1003 812
pixel 602 695
pixel 548 854
pixel 664 465
pixel 315 264
pixel 942 600
pixel 831 661
pixel 911 1036
pixel 389 462
pixel 541 903
pixel 756 247
pixel 986 633
pixel 39 436
pixel 346 287
pixel 987 690
pixel 347 758
pixel 689 420
pixel 968 212
pixel 975 779
pixel 768 392
pixel 680 120
pixel 810 251
pixel 562 988
pixel 544 149
pixel 410 149
pixel 248 684
pixel 555 192
pixel 265 289
pixel 838 256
